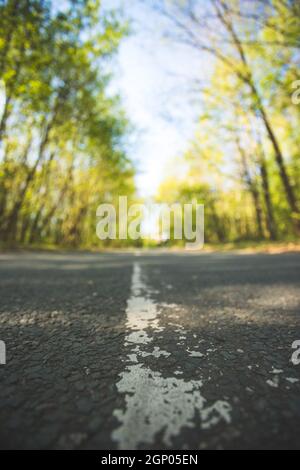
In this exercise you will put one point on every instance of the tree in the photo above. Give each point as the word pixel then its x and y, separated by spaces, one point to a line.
pixel 240 38
pixel 61 135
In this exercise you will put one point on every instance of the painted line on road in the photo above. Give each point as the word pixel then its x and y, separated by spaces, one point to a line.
pixel 155 404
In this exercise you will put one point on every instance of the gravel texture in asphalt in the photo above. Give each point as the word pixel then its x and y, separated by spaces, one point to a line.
pixel 149 351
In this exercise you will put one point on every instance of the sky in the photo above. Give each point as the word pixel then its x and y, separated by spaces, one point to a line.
pixel 154 78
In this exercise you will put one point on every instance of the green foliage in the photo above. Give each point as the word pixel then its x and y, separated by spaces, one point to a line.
pixel 61 135
pixel 244 160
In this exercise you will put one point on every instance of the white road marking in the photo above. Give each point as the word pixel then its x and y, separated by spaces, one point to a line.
pixel 195 353
pixel 153 403
pixel 276 371
pixel 292 380
pixel 274 382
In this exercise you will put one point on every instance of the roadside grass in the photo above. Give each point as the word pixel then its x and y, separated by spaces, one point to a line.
pixel 254 247
pixel 241 246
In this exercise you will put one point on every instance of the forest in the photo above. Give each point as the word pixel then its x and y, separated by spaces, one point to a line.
pixel 63 134
pixel 244 161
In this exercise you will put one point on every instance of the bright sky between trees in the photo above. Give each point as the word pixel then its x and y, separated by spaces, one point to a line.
pixel 156 83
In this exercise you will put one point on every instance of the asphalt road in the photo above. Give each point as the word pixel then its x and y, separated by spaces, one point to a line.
pixel 150 351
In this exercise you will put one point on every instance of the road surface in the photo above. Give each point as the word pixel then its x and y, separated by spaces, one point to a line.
pixel 149 351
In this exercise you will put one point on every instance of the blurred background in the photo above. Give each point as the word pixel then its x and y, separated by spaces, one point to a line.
pixel 165 101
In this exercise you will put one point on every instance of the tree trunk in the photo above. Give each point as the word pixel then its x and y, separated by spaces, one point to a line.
pixel 291 198
pixel 47 219
pixel 10 231
pixel 258 210
pixel 8 98
pixel 271 226
pixel 252 187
